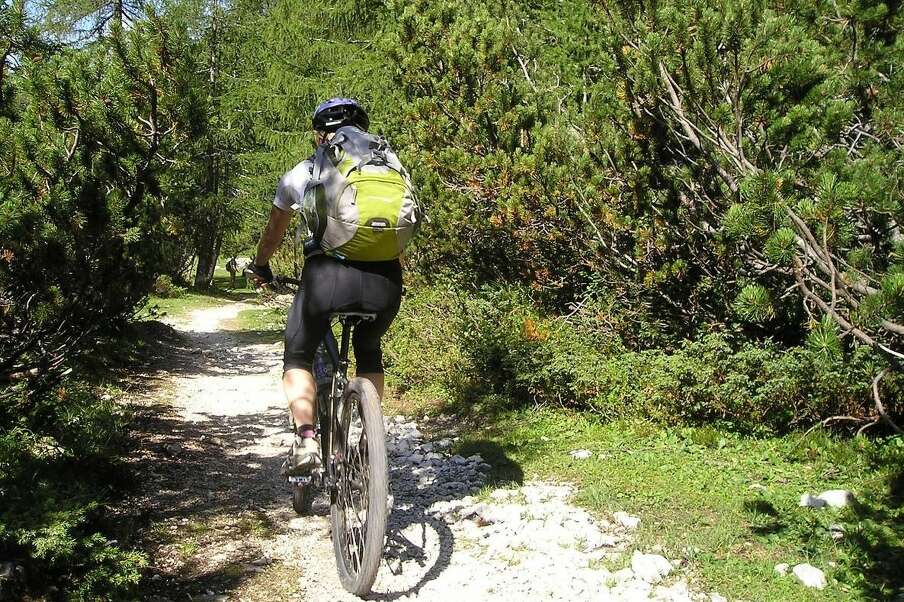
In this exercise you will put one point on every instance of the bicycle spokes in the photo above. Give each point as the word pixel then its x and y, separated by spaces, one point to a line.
pixel 358 508
pixel 353 488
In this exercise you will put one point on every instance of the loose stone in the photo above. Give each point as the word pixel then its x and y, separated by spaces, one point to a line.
pixel 836 498
pixel 809 501
pixel 650 567
pixel 626 520
pixel 810 576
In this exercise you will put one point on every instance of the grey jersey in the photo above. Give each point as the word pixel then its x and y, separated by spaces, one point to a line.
pixel 293 185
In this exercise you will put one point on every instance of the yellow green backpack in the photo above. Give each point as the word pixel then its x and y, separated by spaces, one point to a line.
pixel 360 204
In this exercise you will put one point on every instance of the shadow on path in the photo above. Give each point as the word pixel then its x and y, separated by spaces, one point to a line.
pixel 202 465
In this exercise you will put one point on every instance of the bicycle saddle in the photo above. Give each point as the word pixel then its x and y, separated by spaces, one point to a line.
pixel 364 316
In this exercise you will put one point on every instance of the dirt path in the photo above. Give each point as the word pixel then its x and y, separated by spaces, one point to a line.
pixel 224 528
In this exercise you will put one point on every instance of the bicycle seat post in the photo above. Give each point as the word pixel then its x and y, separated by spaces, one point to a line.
pixel 349 320
pixel 343 348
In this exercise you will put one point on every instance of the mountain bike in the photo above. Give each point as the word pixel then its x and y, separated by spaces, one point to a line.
pixel 354 470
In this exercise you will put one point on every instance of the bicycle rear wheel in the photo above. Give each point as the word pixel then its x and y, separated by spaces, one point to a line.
pixel 302 498
pixel 358 504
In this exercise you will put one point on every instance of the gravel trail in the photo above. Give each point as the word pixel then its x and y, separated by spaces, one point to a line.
pixel 223 527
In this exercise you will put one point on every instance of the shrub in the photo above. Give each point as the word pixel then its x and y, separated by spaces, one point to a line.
pixel 495 345
pixel 55 485
pixel 421 351
pixel 166 288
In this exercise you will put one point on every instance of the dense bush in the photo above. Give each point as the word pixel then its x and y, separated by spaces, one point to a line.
pixel 86 133
pixel 492 347
pixel 687 160
pixel 55 485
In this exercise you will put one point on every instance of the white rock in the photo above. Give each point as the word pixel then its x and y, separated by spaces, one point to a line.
pixel 626 520
pixel 836 498
pixel 714 597
pixel 622 575
pixel 508 513
pixel 580 454
pixel 559 534
pixel 650 567
pixel 809 575
pixel 471 510
pixel 808 501
pixel 594 540
pixel 782 568
pixel 836 531
pixel 635 590
pixel 676 593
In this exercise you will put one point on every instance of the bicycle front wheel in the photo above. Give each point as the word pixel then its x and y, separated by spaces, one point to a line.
pixel 358 504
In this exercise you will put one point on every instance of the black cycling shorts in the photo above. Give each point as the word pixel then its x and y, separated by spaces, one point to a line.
pixel 329 285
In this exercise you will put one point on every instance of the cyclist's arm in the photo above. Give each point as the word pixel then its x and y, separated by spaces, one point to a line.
pixel 273 235
pixel 288 192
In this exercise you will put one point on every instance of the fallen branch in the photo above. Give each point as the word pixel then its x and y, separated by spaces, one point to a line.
pixel 881 408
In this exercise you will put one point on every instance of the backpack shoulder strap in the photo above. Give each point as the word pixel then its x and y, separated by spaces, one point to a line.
pixel 319 158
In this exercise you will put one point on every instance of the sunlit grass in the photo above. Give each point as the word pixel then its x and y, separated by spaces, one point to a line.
pixel 726 503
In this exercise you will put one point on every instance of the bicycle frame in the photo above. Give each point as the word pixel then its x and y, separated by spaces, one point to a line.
pixel 328 405
pixel 329 410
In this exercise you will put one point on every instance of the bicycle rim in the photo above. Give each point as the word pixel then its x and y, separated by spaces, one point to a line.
pixel 358 506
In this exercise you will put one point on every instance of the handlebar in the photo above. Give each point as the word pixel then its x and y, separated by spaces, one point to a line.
pixel 275 282
pixel 287 280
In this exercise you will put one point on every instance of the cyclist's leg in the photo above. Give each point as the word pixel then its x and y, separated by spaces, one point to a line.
pixel 300 390
pixel 368 352
pixel 303 333
pixel 383 295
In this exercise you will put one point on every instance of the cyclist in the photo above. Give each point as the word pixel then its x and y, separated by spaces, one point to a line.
pixel 329 284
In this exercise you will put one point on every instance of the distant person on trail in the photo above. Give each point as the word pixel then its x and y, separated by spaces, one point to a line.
pixel 232 266
pixel 359 207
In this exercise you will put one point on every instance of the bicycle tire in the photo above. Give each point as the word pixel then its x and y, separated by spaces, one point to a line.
pixel 303 499
pixel 356 560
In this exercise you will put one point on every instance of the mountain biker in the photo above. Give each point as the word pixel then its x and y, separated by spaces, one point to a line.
pixel 329 284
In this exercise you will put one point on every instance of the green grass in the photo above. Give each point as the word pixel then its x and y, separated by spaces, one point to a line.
pixel 727 503
pixel 265 319
pixel 194 299
pixel 265 325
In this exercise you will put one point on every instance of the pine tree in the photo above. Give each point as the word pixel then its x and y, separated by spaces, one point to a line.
pixel 81 20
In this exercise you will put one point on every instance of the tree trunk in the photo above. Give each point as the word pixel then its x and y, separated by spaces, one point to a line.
pixel 207 262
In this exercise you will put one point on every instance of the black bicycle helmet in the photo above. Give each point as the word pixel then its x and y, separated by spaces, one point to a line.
pixel 331 115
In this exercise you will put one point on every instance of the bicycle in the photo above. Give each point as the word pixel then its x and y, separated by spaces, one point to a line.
pixel 355 467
